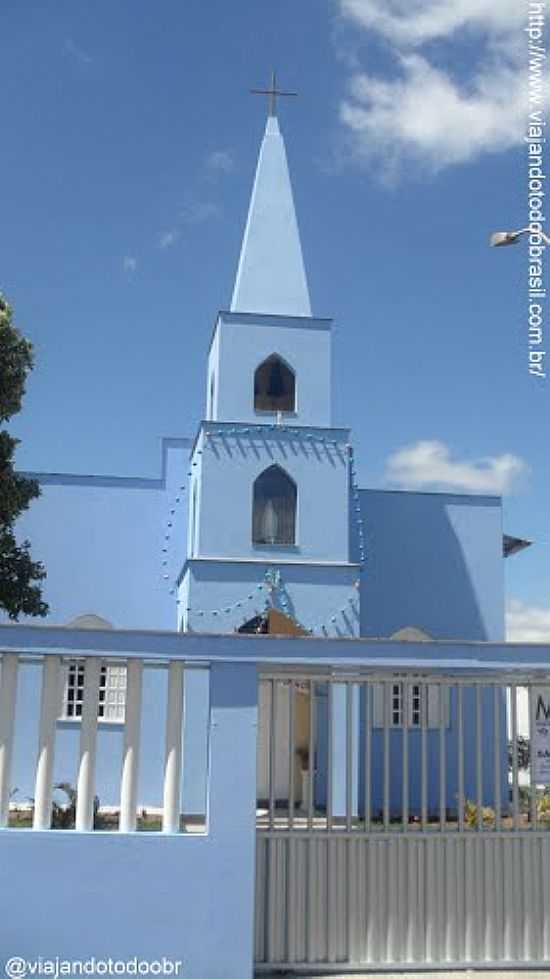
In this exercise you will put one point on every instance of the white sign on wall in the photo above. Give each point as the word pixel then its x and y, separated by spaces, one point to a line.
pixel 540 745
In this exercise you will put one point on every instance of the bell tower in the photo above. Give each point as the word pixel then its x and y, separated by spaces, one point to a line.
pixel 270 478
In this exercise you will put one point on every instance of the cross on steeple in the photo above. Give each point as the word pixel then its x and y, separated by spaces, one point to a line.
pixel 273 93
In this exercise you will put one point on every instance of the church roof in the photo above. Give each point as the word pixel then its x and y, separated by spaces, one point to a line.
pixel 271 277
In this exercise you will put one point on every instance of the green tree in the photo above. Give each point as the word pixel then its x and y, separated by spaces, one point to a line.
pixel 20 591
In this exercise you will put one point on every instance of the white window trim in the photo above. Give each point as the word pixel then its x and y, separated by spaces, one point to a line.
pixel 430 696
pixel 112 696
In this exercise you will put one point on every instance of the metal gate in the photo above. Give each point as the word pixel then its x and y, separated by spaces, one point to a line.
pixel 400 825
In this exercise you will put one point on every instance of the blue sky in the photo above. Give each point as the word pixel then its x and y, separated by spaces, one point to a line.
pixel 128 151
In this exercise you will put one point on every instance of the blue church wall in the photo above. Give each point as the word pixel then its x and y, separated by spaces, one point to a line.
pixel 101 540
pixel 487 761
pixel 323 598
pixel 242 341
pixel 226 466
pixel 434 561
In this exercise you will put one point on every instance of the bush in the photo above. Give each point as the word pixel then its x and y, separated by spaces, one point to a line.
pixel 471 813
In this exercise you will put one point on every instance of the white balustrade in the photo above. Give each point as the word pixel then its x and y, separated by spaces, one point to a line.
pixel 88 742
pixel 49 712
pixel 130 752
pixel 174 750
pixel 8 693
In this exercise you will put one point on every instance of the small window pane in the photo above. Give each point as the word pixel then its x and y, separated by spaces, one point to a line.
pixel 112 692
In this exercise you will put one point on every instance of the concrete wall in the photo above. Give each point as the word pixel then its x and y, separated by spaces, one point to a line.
pixel 434 561
pixel 101 541
pixel 227 465
pixel 323 598
pixel 243 341
pixel 77 895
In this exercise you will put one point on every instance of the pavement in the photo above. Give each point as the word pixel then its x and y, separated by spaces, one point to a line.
pixel 526 973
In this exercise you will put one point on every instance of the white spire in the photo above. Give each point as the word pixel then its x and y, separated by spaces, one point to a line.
pixel 271 276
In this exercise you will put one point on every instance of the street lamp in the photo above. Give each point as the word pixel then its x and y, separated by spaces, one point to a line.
pixel 500 238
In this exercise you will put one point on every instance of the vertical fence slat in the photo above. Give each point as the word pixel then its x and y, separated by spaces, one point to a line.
pixel 367 768
pixel 174 749
pixel 330 755
pixel 460 736
pixel 8 692
pixel 497 755
pixel 407 706
pixel 479 757
pixel 130 750
pixel 88 739
pixel 424 757
pixel 272 729
pixel 291 752
pixel 532 773
pixel 311 755
pixel 442 757
pixel 50 706
pixel 388 695
pixel 514 733
pixel 350 754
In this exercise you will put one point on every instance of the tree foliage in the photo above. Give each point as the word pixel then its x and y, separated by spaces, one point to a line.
pixel 522 751
pixel 20 576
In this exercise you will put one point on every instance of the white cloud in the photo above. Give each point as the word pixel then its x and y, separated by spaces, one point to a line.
pixel 197 212
pixel 426 115
pixel 429 464
pixel 423 112
pixel 77 53
pixel 409 22
pixel 527 623
pixel 193 213
pixel 168 238
pixel 129 264
pixel 220 161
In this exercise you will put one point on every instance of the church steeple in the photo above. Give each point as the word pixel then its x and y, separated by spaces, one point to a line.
pixel 271 277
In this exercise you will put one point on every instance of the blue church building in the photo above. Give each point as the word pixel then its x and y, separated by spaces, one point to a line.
pixel 258 524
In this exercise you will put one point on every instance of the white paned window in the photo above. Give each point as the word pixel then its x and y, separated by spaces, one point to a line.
pixel 112 692
pixel 423 700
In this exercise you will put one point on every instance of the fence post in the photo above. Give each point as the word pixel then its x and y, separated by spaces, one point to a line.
pixel 8 691
pixel 174 749
pixel 49 711
pixel 232 796
pixel 88 738
pixel 130 751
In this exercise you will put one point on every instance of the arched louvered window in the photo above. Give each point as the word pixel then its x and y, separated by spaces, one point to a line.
pixel 274 508
pixel 274 386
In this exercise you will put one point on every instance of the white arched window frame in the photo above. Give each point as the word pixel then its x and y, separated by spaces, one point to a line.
pixel 275 386
pixel 274 508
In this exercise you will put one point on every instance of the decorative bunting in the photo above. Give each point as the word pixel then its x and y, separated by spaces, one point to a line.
pixel 273 580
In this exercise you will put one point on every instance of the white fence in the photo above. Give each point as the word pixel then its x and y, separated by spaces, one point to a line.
pixel 406 839
pixel 79 690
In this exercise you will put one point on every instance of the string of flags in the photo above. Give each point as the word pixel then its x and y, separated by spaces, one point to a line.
pixel 272 587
